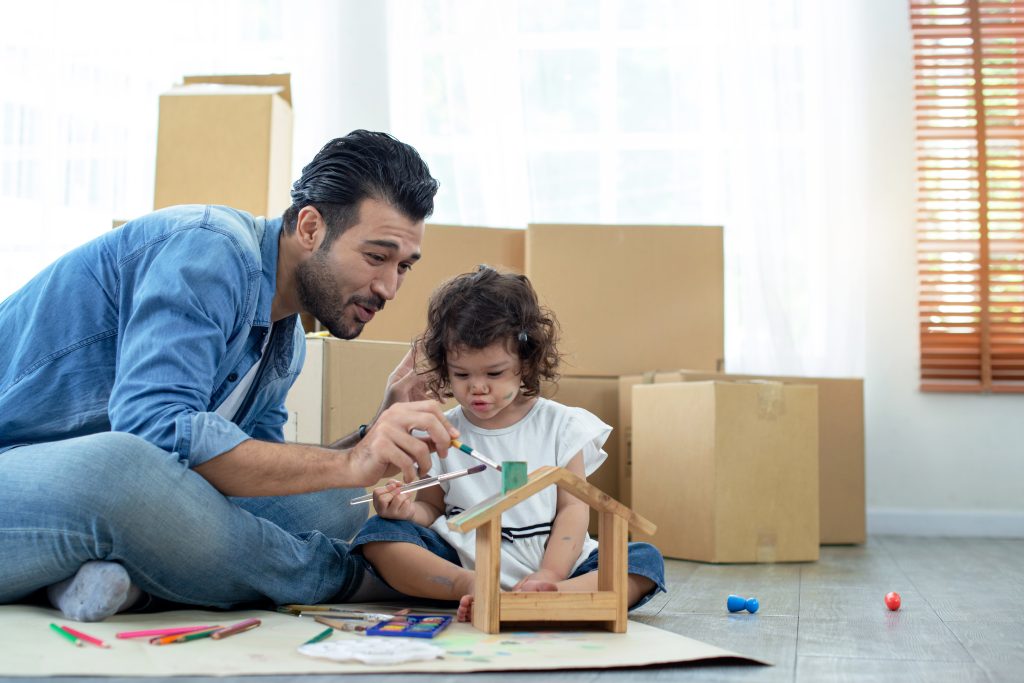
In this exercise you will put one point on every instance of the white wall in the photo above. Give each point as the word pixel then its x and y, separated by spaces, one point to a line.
pixel 936 463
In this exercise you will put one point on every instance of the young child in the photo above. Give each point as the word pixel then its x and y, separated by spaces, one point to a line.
pixel 489 344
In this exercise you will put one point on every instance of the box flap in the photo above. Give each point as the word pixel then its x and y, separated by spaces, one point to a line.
pixel 223 89
pixel 283 81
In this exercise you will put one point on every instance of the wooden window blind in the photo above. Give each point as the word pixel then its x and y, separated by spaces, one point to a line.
pixel 969 110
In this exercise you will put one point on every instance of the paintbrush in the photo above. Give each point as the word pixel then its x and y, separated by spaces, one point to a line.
pixel 339 625
pixel 337 612
pixel 473 453
pixel 424 483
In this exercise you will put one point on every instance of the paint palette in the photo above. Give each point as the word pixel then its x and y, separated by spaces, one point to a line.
pixel 411 626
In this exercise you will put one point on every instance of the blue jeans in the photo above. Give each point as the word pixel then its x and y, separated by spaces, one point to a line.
pixel 116 497
pixel 643 558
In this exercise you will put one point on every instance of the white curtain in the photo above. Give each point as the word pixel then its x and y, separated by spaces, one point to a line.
pixel 743 114
pixel 79 107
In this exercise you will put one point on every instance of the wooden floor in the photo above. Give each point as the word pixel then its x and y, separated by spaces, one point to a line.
pixel 962 619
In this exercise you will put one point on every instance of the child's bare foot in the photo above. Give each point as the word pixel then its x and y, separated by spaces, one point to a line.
pixel 465 612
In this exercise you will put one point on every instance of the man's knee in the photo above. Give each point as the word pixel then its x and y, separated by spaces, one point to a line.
pixel 327 511
pixel 106 471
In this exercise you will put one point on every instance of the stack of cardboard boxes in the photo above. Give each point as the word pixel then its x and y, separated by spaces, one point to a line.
pixel 731 468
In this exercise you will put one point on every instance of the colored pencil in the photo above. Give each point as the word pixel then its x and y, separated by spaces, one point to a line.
pixel 323 635
pixel 85 636
pixel 246 625
pixel 185 637
pixel 161 632
pixel 66 636
pixel 424 483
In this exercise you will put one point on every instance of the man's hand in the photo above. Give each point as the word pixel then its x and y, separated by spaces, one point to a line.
pixel 390 503
pixel 389 445
pixel 404 383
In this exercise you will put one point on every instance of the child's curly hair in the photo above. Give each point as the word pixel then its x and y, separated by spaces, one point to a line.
pixel 475 310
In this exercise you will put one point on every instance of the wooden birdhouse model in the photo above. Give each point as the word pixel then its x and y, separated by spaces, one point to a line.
pixel 607 606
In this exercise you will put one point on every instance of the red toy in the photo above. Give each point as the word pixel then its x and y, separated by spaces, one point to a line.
pixel 892 601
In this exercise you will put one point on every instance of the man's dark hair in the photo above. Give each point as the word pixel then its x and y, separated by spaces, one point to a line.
pixel 363 164
pixel 475 310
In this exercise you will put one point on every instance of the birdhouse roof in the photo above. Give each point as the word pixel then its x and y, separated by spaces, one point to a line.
pixel 540 479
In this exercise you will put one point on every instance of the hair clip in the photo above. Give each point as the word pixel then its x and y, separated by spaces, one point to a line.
pixel 523 337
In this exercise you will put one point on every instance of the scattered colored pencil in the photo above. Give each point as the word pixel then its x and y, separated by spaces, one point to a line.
pixel 245 625
pixel 161 631
pixel 185 637
pixel 86 637
pixel 323 635
pixel 66 636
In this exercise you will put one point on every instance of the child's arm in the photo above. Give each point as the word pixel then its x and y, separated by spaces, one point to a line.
pixel 427 506
pixel 572 516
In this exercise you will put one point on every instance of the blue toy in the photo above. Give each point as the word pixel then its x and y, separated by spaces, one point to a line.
pixel 736 603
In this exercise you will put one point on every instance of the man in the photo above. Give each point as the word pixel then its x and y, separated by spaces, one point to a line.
pixel 142 386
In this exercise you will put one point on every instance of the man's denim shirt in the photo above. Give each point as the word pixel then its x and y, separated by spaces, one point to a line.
pixel 146 330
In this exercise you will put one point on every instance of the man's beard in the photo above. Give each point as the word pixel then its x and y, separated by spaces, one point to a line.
pixel 316 289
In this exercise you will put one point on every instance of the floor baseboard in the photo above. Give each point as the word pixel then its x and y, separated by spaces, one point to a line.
pixel 959 523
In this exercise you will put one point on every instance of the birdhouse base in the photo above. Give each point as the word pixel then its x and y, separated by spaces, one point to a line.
pixel 605 607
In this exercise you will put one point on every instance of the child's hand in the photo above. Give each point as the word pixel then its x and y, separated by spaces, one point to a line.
pixel 539 577
pixel 390 504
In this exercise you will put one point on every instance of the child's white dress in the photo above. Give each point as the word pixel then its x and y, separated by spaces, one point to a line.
pixel 550 434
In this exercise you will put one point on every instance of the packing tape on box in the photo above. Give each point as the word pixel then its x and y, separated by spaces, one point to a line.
pixel 766 546
pixel 771 404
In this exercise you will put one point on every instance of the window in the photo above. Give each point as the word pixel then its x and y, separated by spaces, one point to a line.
pixel 679 112
pixel 78 110
pixel 970 210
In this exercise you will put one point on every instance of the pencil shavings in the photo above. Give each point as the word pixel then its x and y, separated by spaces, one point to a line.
pixel 383 651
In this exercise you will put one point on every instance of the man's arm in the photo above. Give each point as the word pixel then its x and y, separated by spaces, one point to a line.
pixel 260 468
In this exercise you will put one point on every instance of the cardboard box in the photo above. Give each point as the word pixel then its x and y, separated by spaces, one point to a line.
pixel 341 386
pixel 600 396
pixel 226 140
pixel 728 470
pixel 448 251
pixel 632 298
pixel 840 449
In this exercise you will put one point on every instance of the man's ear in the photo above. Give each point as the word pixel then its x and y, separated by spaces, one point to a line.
pixel 310 228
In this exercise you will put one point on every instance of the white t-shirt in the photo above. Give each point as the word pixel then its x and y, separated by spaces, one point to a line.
pixel 550 434
pixel 233 401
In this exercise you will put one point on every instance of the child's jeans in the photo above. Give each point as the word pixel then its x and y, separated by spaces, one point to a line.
pixel 644 559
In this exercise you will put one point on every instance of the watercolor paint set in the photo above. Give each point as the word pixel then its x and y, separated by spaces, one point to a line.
pixel 411 626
